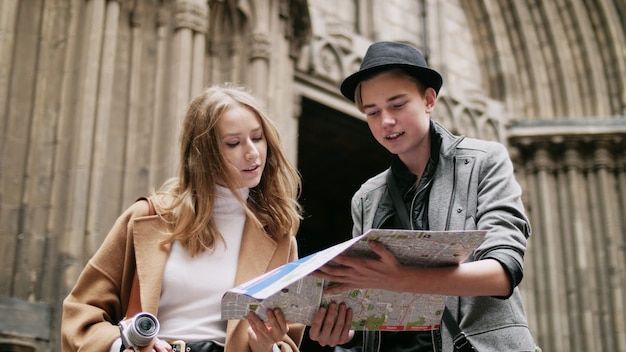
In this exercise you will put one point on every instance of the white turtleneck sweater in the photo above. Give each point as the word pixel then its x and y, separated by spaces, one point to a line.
pixel 189 308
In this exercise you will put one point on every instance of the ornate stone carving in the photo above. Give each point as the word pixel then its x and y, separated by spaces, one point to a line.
pixel 328 64
pixel 192 14
pixel 260 46
pixel 342 33
pixel 542 160
pixel 162 17
pixel 571 157
pixel 602 158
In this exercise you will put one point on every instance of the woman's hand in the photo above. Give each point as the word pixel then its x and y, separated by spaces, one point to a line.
pixel 262 335
pixel 331 326
pixel 156 345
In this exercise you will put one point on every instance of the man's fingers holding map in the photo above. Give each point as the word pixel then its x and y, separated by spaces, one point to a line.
pixel 347 272
pixel 331 325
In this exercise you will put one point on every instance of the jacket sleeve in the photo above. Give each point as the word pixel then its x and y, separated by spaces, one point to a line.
pixel 95 305
pixel 500 211
pixel 365 201
pixel 356 209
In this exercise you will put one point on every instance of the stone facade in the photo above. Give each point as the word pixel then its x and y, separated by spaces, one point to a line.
pixel 92 94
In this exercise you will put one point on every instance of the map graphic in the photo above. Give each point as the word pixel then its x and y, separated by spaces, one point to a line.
pixel 299 295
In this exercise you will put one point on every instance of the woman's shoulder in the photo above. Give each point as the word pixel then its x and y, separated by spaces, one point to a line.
pixel 154 204
pixel 143 206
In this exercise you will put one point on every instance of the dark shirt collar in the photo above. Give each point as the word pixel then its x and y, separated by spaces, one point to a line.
pixel 406 180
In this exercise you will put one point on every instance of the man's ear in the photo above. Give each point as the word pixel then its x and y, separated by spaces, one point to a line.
pixel 430 98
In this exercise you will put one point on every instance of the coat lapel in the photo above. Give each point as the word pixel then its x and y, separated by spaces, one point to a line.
pixel 256 253
pixel 255 256
pixel 150 257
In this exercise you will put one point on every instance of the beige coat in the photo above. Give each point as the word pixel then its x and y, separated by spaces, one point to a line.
pixel 100 297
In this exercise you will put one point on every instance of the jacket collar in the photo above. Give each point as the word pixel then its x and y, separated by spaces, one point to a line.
pixel 406 180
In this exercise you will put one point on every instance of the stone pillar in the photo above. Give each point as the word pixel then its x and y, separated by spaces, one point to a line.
pixel 259 64
pixel 577 271
pixel 610 249
pixel 162 136
pixel 576 261
pixel 8 17
pixel 550 244
pixel 136 132
pixel 187 73
pixel 75 238
pixel 102 96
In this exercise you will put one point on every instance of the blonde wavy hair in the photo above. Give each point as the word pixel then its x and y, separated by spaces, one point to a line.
pixel 187 201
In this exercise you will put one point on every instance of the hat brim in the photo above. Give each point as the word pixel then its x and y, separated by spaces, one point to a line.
pixel 429 77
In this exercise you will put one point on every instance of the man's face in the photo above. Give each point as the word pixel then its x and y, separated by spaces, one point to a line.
pixel 397 113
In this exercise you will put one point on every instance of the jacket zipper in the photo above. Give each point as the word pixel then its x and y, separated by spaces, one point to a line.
pixel 413 201
pixel 447 226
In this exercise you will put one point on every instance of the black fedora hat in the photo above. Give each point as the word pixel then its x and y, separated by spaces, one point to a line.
pixel 382 56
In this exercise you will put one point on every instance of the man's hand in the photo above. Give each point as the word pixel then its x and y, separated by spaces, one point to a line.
pixel 331 326
pixel 384 272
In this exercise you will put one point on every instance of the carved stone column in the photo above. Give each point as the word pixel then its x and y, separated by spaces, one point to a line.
pixel 8 17
pixel 190 26
pixel 259 63
pixel 162 138
pixel 103 101
pixel 190 23
pixel 550 242
pixel 577 270
pixel 609 244
pixel 576 189
pixel 80 236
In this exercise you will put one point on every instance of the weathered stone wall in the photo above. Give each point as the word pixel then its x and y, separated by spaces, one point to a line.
pixel 92 94
pixel 548 80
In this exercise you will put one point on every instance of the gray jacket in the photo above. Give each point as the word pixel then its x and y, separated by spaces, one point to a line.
pixel 474 187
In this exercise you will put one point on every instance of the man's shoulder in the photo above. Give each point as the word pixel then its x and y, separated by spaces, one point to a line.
pixel 479 146
pixel 374 183
pixel 464 143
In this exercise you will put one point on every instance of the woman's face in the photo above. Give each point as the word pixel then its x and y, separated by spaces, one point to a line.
pixel 397 113
pixel 243 144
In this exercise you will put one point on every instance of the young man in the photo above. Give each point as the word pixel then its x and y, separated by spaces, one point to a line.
pixel 437 181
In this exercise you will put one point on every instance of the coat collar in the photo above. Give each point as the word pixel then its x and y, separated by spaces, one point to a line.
pixel 256 252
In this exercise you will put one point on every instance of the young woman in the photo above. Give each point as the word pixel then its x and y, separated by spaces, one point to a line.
pixel 441 182
pixel 230 215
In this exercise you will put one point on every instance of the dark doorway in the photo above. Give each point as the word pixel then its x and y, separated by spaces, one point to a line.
pixel 336 154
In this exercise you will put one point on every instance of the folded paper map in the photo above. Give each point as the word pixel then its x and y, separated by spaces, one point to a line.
pixel 299 295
